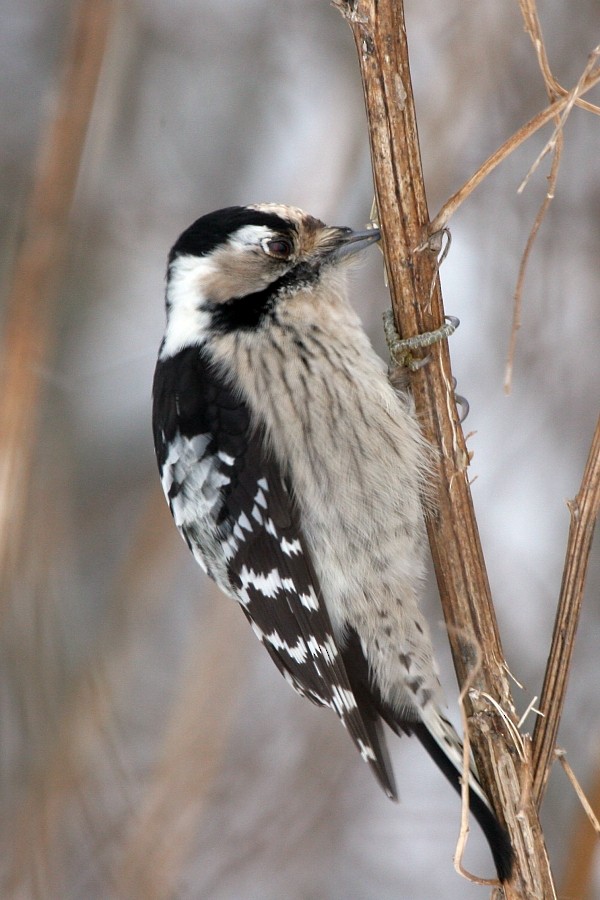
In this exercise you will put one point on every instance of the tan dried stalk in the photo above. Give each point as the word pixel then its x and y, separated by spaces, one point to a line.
pixel 379 33
pixel 533 28
pixel 87 722
pixel 29 325
pixel 514 141
pixel 583 847
pixel 584 511
pixel 161 833
pixel 553 145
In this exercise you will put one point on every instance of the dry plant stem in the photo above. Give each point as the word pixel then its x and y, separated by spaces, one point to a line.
pixel 571 100
pixel 533 28
pixel 28 327
pixel 162 833
pixel 583 847
pixel 584 512
pixel 585 803
pixel 538 121
pixel 463 835
pixel 379 33
pixel 87 722
pixel 518 296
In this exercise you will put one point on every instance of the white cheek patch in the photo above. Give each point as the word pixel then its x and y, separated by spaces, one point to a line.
pixel 187 322
pixel 249 235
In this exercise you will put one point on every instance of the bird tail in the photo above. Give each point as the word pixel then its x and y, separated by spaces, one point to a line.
pixel 439 738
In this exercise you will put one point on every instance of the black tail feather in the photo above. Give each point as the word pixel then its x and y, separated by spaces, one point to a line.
pixel 496 834
pixel 372 707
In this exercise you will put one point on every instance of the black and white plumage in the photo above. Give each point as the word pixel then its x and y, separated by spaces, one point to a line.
pixel 296 473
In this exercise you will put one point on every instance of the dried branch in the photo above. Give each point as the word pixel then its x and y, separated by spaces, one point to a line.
pixel 585 803
pixel 584 512
pixel 518 295
pixel 379 33
pixel 526 131
pixel 533 28
pixel 571 99
pixel 28 329
pixel 583 845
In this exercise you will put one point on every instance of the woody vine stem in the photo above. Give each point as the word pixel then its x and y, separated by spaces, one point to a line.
pixel 503 758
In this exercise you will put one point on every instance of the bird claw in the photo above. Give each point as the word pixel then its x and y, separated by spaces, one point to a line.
pixel 401 349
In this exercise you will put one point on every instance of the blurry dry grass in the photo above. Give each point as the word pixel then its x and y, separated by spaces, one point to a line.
pixel 30 320
pixel 77 715
pixel 85 743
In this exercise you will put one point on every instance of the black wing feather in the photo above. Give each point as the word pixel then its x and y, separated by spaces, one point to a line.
pixel 269 569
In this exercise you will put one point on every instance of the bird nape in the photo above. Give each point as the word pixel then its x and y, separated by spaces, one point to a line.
pixel 296 475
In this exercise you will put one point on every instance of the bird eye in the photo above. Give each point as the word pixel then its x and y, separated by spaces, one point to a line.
pixel 280 248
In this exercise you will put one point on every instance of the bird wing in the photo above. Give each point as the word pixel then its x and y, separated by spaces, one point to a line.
pixel 278 589
pixel 207 446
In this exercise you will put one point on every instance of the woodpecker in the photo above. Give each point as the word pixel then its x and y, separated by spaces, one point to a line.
pixel 297 476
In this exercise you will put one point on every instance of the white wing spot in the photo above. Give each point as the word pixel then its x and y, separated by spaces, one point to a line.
pixel 309 601
pixel 343 700
pixel 328 650
pixel 268 585
pixel 290 548
pixel 297 652
pixel 229 548
pixel 261 499
pixel 366 751
pixel 244 522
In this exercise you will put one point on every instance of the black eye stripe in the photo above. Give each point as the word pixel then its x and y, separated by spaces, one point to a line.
pixel 251 310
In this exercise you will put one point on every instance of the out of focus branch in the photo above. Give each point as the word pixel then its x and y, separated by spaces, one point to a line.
pixel 380 37
pixel 582 848
pixel 584 512
pixel 29 327
pixel 161 833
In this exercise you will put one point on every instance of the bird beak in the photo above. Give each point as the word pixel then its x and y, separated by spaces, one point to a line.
pixel 349 242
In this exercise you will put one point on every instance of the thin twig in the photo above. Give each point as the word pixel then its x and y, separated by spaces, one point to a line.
pixel 531 708
pixel 583 848
pixel 562 758
pixel 533 27
pixel 584 512
pixel 518 295
pixel 570 102
pixel 525 132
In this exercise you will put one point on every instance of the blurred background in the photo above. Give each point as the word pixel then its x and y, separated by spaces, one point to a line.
pixel 148 746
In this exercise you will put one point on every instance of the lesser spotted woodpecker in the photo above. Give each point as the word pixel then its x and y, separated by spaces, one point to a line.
pixel 295 474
